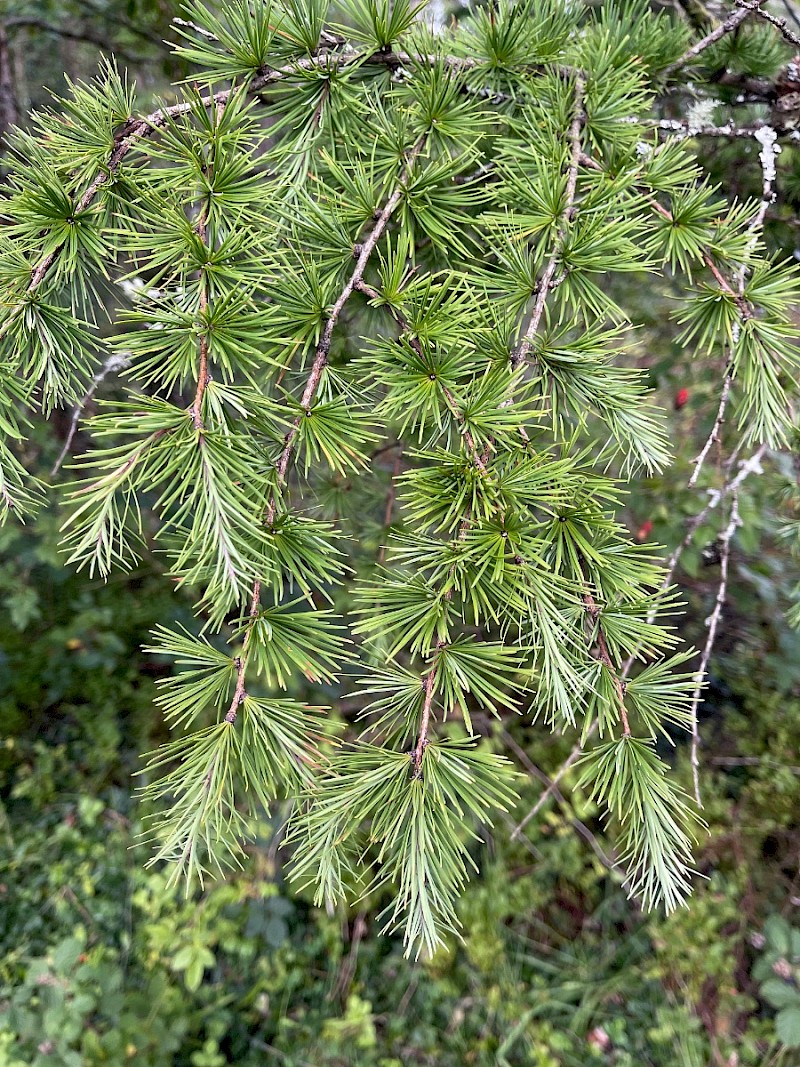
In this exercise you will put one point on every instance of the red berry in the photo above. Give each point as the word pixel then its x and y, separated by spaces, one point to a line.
pixel 644 530
pixel 681 397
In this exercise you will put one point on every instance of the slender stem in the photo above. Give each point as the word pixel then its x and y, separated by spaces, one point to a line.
pixel 713 437
pixel 712 622
pixel 114 363
pixel 240 692
pixel 354 281
pixel 580 827
pixel 572 758
pixel 422 739
pixel 779 24
pixel 728 26
pixel 594 611
pixel 196 409
pixel 546 282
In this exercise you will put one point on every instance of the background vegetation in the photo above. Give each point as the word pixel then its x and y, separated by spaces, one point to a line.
pixel 101 964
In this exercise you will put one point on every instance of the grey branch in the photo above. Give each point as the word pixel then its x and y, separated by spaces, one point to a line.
pixel 115 362
pixel 728 26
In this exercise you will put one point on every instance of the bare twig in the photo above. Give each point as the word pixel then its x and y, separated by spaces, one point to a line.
pixel 768 150
pixel 779 24
pixel 746 467
pixel 580 827
pixel 683 128
pixel 713 437
pixel 568 763
pixel 728 26
pixel 9 111
pixel 752 761
pixel 114 363
pixel 790 11
pixel 74 33
pixel 348 965
pixel 712 622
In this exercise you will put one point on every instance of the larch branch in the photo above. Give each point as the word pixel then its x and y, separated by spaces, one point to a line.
pixel 734 19
pixel 546 282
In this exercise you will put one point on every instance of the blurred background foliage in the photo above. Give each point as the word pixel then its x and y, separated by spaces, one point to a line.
pixel 100 965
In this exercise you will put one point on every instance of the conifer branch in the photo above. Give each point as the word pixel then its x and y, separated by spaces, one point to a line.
pixel 317 368
pixel 606 659
pixel 428 686
pixel 548 276
pixel 734 19
pixel 780 24
pixel 196 410
pixel 483 550
pixel 353 282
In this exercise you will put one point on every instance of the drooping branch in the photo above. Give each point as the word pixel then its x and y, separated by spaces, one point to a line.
pixel 311 386
pixel 353 282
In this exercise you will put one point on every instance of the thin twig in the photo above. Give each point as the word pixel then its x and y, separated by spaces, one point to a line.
pixel 196 410
pixel 545 283
pixel 746 467
pixel 790 11
pixel 712 622
pixel 239 692
pixel 713 437
pixel 365 250
pixel 779 24
pixel 424 723
pixel 752 761
pixel 728 26
pixel 605 658
pixel 580 827
pixel 114 363
pixel 682 128
pixel 571 759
